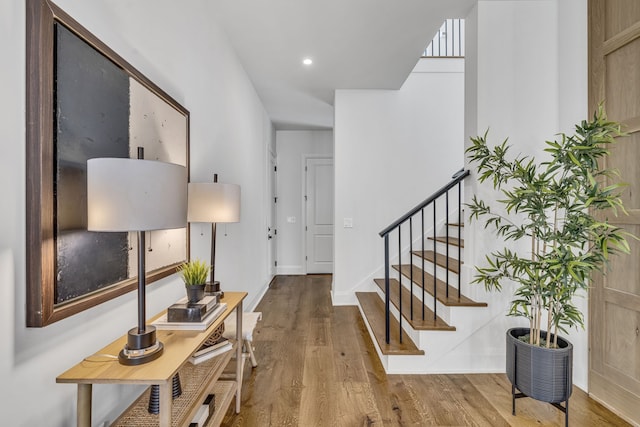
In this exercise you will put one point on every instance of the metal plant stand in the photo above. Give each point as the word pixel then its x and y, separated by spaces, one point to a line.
pixel 518 395
pixel 544 374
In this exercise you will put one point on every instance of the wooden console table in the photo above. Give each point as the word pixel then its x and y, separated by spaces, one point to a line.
pixel 178 347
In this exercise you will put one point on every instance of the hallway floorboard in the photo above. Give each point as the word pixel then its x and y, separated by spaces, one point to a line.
pixel 317 367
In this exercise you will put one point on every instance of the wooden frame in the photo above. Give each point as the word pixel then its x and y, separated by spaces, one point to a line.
pixel 41 168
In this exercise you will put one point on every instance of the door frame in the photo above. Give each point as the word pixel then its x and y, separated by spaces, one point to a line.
pixel 272 213
pixel 303 223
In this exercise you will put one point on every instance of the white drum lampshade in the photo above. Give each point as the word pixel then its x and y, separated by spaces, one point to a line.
pixel 214 202
pixel 135 195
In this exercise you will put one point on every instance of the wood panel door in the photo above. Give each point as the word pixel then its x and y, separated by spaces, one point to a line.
pixel 614 300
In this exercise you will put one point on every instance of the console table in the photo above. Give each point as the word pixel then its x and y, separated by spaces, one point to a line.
pixel 179 345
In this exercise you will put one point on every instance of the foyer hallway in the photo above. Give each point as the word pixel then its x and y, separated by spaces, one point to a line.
pixel 317 367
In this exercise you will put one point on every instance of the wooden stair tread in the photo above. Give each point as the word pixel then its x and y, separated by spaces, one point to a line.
pixel 456 224
pixel 419 324
pixel 373 308
pixel 440 259
pixel 441 287
pixel 453 241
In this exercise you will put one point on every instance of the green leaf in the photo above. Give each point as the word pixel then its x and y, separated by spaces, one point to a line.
pixel 551 206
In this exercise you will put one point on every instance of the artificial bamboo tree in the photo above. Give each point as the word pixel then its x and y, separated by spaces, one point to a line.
pixel 561 207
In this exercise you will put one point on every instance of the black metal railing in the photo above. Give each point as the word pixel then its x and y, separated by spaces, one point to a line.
pixel 456 181
pixel 448 41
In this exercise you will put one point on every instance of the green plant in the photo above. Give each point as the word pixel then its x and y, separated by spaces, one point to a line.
pixel 194 272
pixel 560 206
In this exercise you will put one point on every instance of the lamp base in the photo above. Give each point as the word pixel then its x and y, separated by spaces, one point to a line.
pixel 141 347
pixel 211 288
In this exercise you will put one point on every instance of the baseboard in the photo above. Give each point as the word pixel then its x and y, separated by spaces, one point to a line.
pixel 256 300
pixel 343 298
pixel 290 270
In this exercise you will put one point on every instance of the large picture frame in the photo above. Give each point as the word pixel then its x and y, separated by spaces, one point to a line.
pixel 84 101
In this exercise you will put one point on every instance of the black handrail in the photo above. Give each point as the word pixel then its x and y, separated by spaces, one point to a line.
pixel 456 179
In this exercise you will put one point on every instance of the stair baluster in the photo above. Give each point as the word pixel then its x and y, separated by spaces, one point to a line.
pixel 435 267
pixel 422 210
pixel 446 245
pixel 410 259
pixel 400 279
pixel 386 288
pixel 459 236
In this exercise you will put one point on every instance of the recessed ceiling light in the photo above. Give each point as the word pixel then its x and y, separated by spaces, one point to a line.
pixel 307 61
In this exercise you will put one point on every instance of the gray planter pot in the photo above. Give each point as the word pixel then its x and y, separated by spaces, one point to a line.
pixel 195 293
pixel 541 373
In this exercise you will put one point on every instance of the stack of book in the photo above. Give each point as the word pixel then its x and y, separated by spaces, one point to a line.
pixel 183 311
pixel 204 412
pixel 207 351
pixel 205 321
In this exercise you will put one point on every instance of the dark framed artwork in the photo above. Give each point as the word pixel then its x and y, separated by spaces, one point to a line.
pixel 85 101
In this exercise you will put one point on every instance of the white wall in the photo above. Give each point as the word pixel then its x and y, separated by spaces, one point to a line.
pixel 526 79
pixel 293 148
pixel 180 48
pixel 393 149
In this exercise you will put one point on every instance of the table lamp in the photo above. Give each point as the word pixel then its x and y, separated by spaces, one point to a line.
pixel 136 195
pixel 213 202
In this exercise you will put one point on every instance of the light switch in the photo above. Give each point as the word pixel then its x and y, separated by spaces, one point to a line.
pixel 291 219
pixel 348 222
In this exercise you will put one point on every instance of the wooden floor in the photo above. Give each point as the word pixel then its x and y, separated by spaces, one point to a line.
pixel 318 367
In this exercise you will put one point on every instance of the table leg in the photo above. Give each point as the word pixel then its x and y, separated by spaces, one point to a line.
pixel 239 359
pixel 165 404
pixel 83 410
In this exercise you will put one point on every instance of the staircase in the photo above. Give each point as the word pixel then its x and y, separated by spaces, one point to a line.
pixel 417 315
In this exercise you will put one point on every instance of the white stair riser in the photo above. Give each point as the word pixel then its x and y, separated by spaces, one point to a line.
pixel 441 248
pixel 453 231
pixel 417 260
pixel 441 272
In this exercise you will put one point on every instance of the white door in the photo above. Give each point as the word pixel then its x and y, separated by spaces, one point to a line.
pixel 319 215
pixel 272 232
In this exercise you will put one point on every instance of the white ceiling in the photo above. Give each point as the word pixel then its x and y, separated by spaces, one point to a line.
pixel 355 44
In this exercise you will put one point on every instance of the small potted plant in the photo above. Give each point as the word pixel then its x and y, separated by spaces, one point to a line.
pixel 194 275
pixel 559 207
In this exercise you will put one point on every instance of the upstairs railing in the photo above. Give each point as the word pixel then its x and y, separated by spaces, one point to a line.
pixel 419 211
pixel 448 41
